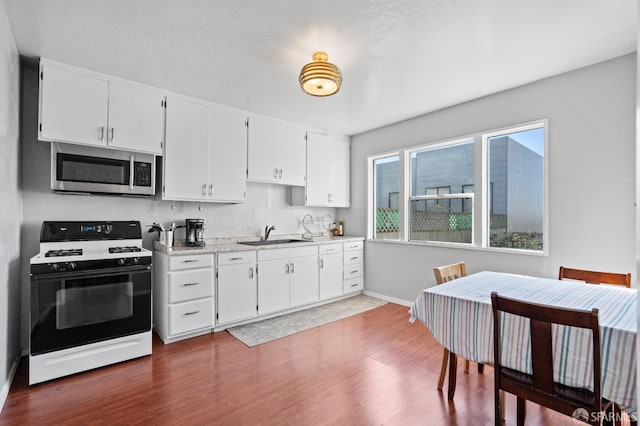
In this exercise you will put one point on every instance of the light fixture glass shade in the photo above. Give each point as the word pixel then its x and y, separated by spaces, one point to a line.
pixel 320 78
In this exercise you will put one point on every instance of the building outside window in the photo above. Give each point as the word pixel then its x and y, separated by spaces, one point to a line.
pixel 386 187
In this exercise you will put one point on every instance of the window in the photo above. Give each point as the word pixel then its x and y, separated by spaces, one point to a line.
pixel 386 187
pixel 485 190
pixel 437 215
pixel 516 174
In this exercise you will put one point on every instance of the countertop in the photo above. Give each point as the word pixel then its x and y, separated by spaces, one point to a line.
pixel 224 245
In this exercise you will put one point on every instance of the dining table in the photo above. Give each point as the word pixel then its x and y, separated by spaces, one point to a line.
pixel 459 315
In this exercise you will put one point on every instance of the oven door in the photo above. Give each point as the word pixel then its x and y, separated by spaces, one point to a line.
pixel 76 308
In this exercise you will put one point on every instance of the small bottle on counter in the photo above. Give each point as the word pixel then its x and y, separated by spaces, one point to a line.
pixel 340 227
pixel 334 229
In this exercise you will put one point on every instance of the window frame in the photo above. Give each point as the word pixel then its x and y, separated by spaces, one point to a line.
pixel 481 198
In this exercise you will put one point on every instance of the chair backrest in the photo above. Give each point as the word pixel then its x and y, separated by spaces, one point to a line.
pixel 449 272
pixel 540 387
pixel 595 277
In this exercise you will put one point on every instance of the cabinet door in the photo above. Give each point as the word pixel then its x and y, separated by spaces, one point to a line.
pixel 292 156
pixel 73 107
pixel 327 171
pixel 331 278
pixel 186 169
pixel 263 150
pixel 135 118
pixel 303 280
pixel 236 295
pixel 227 156
pixel 273 286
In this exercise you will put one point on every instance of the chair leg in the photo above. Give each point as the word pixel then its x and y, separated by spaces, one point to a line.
pixel 466 366
pixel 481 368
pixel 521 411
pixel 443 368
pixel 453 368
pixel 498 402
pixel 503 407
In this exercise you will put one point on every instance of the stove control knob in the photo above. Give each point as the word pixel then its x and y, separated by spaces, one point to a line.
pixel 54 267
pixel 71 266
pixel 136 260
pixel 122 262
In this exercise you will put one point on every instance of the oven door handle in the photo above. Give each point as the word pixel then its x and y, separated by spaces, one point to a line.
pixel 93 273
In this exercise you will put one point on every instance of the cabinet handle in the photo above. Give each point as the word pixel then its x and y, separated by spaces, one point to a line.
pixel 286 268
pixel 236 258
pixel 280 174
pixel 292 267
pixel 355 285
pixel 354 258
pixel 329 249
pixel 321 263
pixel 275 173
pixel 251 272
pixel 191 313
pixel 190 260
pixel 354 271
pixel 330 198
pixel 189 284
pixel 204 189
pixel 210 189
pixel 101 129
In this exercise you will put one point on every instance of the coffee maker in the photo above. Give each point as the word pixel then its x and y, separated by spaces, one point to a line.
pixel 195 232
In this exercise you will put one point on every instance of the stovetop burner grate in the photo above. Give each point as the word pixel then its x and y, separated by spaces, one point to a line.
pixel 128 249
pixel 63 252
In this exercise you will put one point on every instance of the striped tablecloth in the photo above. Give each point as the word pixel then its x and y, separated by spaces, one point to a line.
pixel 459 316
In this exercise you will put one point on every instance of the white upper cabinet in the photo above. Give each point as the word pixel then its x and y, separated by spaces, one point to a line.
pixel 82 107
pixel 328 172
pixel 205 155
pixel 136 118
pixel 276 152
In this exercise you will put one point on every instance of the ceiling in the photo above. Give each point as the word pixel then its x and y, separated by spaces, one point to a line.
pixel 399 58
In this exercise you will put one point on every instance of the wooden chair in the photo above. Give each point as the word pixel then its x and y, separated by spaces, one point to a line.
pixel 595 277
pixel 445 274
pixel 539 387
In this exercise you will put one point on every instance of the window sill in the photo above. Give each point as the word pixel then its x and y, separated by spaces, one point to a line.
pixel 461 246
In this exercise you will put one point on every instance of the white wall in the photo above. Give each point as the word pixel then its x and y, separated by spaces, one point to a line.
pixel 266 204
pixel 591 115
pixel 10 204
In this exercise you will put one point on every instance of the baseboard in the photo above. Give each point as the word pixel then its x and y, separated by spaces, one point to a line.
pixel 4 392
pixel 388 298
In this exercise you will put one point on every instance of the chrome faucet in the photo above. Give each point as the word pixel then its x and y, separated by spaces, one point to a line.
pixel 267 231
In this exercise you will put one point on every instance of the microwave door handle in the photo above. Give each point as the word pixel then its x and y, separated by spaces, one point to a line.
pixel 131 172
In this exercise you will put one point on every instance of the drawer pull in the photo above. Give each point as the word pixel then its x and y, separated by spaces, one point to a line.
pixel 329 249
pixel 189 284
pixel 191 260
pixel 354 272
pixel 321 263
pixel 353 246
pixel 354 258
pixel 236 258
pixel 355 285
pixel 292 267
pixel 251 272
pixel 191 313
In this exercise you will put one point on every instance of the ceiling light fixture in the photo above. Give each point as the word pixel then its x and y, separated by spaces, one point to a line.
pixel 320 78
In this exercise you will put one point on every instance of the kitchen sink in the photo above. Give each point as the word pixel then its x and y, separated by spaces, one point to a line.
pixel 271 242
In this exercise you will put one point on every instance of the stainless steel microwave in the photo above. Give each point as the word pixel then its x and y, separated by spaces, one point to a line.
pixel 86 169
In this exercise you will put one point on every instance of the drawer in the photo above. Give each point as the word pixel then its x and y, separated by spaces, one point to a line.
pixel 287 253
pixel 353 284
pixel 177 263
pixel 190 316
pixel 353 245
pixel 330 248
pixel 353 271
pixel 234 257
pixel 352 257
pixel 188 285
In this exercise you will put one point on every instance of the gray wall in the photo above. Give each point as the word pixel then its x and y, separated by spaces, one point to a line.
pixel 591 114
pixel 266 204
pixel 10 203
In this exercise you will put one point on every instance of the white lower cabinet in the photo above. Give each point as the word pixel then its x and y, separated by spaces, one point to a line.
pixel 353 274
pixel 183 299
pixel 331 271
pixel 236 284
pixel 287 278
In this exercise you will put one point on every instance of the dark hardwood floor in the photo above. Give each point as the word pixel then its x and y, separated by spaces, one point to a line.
pixel 370 369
